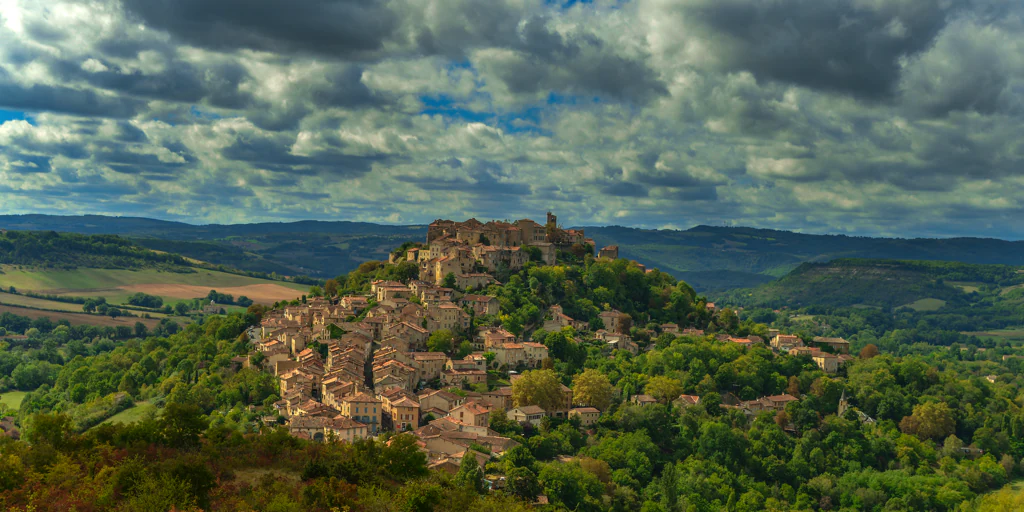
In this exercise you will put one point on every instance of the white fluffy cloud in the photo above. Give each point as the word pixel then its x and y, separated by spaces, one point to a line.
pixel 897 117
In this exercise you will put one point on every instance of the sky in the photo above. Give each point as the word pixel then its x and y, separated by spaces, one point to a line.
pixel 866 117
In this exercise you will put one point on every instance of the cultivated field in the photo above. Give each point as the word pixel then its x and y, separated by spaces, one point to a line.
pixel 32 302
pixel 1013 335
pixel 79 318
pixel 118 284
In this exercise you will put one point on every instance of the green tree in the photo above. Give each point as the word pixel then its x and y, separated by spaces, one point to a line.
pixel 538 387
pixel 930 420
pixel 181 424
pixel 402 458
pixel 470 475
pixel 522 483
pixel 53 430
pixel 181 308
pixel 664 389
pixel 592 388
pixel 440 341
pixel 449 281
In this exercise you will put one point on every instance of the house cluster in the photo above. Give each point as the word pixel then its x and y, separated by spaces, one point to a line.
pixel 830 361
pixel 376 369
pixel 469 250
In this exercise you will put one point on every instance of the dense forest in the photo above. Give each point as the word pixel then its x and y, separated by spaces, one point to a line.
pixel 879 283
pixel 62 250
pixel 925 427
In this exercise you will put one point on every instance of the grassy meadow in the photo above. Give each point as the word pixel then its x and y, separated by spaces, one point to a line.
pixel 12 399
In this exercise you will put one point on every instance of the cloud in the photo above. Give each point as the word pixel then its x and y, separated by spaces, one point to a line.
pixel 341 28
pixel 857 116
pixel 846 46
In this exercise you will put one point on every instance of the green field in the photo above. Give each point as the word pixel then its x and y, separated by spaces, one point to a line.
pixel 926 304
pixel 1011 334
pixel 132 414
pixel 12 399
pixel 966 286
pixel 31 302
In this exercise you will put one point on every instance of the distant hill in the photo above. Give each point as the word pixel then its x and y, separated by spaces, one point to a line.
pixel 886 284
pixel 68 250
pixel 314 248
pixel 710 258
pixel 720 258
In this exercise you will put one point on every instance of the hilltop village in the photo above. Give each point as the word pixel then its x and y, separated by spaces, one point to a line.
pixel 352 367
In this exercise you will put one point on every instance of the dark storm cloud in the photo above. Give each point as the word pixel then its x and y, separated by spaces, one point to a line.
pixel 65 100
pixel 576 63
pixel 336 28
pixel 343 88
pixel 484 178
pixel 624 189
pixel 274 155
pixel 836 45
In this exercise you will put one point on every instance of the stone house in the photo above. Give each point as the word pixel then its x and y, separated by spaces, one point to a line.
pixel 481 304
pixel 364 409
pixel 458 377
pixel 446 315
pixel 473 413
pixel 587 415
pixel 531 414
pixel 440 399
pixel 610 252
pixel 429 365
pixel 613 320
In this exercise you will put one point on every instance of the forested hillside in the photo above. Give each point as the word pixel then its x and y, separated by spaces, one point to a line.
pixel 62 250
pixel 923 429
pixel 879 283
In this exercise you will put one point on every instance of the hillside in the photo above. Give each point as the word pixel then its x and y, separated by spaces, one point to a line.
pixel 746 257
pixel 878 283
pixel 55 250
pixel 64 276
pixel 710 258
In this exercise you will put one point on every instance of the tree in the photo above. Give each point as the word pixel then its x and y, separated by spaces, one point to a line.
pixel 522 483
pixel 331 287
pixel 664 389
pixel 449 280
pixel 316 291
pixel 794 386
pixel 403 459
pixel 114 312
pixel 181 308
pixel 592 388
pixel 930 420
pixel 54 430
pixel 538 387
pixel 140 330
pixel 869 351
pixel 440 341
pixel 181 424
pixel 470 475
